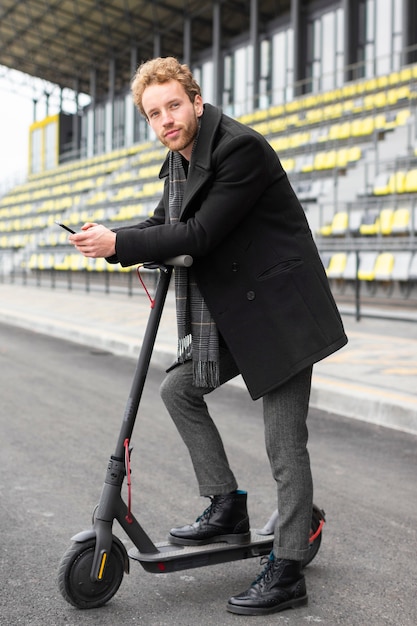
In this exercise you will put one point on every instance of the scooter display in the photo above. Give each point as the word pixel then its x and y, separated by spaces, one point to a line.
pixel 92 568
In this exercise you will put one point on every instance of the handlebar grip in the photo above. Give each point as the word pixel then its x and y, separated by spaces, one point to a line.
pixel 182 260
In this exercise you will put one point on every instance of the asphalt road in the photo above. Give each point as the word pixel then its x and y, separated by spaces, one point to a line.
pixel 61 406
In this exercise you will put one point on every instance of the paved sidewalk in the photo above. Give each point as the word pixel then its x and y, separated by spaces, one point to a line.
pixel 372 379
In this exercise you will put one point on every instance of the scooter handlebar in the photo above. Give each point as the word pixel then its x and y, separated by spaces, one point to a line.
pixel 183 260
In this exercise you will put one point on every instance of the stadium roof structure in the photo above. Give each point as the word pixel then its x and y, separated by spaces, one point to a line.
pixel 62 41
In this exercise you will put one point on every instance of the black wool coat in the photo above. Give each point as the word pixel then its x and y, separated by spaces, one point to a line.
pixel 255 260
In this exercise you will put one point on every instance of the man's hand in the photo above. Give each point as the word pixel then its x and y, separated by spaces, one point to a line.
pixel 94 241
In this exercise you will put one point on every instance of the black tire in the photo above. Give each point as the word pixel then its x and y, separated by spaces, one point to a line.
pixel 317 522
pixel 74 576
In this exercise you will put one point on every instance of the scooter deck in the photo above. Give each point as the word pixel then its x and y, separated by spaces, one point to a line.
pixel 173 558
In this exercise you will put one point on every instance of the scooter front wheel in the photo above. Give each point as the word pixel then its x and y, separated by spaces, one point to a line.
pixel 74 580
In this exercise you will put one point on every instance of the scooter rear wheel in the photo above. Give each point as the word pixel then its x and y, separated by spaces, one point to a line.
pixel 317 521
pixel 74 576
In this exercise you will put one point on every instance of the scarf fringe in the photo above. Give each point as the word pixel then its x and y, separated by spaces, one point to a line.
pixel 206 374
pixel 185 345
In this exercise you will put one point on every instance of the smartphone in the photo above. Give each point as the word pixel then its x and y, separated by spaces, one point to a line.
pixel 66 228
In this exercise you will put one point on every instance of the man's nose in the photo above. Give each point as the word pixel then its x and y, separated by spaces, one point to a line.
pixel 166 117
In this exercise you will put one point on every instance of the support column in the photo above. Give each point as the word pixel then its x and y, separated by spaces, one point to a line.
pixel 75 120
pixel 299 45
pixel 217 67
pixel 409 31
pixel 108 141
pixel 254 41
pixel 350 38
pixel 129 137
pixel 156 44
pixel 187 41
pixel 91 116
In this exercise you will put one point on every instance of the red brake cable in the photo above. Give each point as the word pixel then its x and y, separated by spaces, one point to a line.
pixel 151 300
pixel 128 517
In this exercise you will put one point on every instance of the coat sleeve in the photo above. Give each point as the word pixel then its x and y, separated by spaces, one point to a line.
pixel 157 218
pixel 242 167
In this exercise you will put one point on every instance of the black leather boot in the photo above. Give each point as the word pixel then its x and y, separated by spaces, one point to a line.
pixel 226 519
pixel 281 585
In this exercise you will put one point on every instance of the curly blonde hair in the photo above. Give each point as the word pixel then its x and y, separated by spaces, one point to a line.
pixel 159 71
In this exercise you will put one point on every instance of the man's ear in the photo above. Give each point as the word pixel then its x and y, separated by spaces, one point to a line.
pixel 198 105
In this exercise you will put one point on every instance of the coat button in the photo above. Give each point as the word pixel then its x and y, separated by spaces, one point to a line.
pixel 250 295
pixel 235 266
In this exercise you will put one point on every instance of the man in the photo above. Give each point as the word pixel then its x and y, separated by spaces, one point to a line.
pixel 256 302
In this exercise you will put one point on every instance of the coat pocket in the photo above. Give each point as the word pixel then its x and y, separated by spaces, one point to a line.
pixel 280 268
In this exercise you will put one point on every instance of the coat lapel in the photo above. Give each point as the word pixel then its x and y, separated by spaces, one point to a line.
pixel 200 167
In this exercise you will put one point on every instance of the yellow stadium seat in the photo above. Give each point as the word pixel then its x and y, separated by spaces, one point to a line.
pixel 344 130
pixel 340 223
pixel 396 183
pixel 280 144
pixel 62 262
pixel 325 230
pixel 77 262
pixel 319 161
pixel 342 158
pixel 354 154
pixel 381 187
pixel 307 164
pixel 394 78
pixel 380 99
pixel 402 117
pixel 337 265
pixel 385 221
pixel 410 183
pixel 370 223
pixel 98 265
pixel 401 221
pixel 406 74
pixel 367 262
pixel 380 121
pixel 330 159
pixel 384 265
pixel 367 126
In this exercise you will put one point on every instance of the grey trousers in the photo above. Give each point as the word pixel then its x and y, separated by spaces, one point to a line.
pixel 285 411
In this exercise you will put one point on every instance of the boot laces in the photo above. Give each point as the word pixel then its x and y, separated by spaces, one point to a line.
pixel 266 575
pixel 208 511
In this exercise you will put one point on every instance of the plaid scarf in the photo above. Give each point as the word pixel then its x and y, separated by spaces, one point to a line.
pixel 197 332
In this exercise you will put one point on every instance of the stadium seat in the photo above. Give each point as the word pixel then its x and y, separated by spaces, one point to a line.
pixel 401 222
pixel 412 272
pixel 340 223
pixel 62 262
pixel 342 157
pixel 384 265
pixel 385 221
pixel 396 182
pixel 355 220
pixel 402 117
pixel 367 262
pixel 401 269
pixel 381 184
pixel 370 223
pixel 349 272
pixel 337 265
pixel 410 183
pixel 354 154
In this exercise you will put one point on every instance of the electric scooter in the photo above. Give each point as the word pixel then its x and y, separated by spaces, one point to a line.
pixel 92 569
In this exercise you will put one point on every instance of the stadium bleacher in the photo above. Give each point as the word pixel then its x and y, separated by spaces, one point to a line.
pixel 320 138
